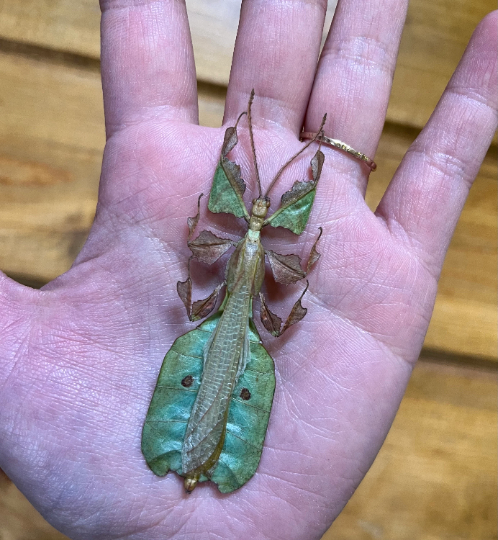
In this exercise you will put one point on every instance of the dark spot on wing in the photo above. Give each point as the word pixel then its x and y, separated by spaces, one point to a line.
pixel 187 381
pixel 245 394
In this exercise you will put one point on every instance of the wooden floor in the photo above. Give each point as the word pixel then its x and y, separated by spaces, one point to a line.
pixel 435 477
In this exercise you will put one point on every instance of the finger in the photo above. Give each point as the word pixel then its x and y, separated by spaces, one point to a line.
pixel 147 62
pixel 18 308
pixel 425 198
pixel 354 77
pixel 275 53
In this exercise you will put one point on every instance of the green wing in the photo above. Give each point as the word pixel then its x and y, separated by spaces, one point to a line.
pixel 227 190
pixel 169 411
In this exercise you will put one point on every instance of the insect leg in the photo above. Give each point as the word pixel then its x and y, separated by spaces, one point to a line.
pixel 287 268
pixel 201 308
pixel 314 255
pixel 192 221
pixel 273 323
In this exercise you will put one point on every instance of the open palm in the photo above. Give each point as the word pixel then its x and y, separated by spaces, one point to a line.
pixel 80 358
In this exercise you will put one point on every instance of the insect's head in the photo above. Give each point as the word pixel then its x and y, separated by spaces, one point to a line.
pixel 258 213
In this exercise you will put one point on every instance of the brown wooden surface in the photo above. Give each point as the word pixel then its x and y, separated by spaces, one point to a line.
pixel 435 477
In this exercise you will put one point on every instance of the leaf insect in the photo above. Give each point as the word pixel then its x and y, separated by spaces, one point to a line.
pixel 209 413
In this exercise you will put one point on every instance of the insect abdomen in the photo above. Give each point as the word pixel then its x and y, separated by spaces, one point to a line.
pixel 226 354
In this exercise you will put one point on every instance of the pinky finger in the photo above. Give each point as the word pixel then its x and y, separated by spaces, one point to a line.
pixel 423 202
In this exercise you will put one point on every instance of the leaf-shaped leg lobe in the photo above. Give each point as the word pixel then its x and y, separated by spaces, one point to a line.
pixel 287 268
pixel 193 221
pixel 208 247
pixel 200 308
pixel 295 204
pixel 228 187
pixel 314 255
pixel 273 323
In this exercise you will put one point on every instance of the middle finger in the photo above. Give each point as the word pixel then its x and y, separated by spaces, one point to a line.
pixel 276 51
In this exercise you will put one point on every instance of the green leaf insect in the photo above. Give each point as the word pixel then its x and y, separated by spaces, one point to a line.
pixel 209 413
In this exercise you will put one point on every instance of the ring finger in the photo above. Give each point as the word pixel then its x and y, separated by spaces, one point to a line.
pixel 354 78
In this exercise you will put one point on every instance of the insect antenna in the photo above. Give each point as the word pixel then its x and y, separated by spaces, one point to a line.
pixel 285 165
pixel 240 116
pixel 249 119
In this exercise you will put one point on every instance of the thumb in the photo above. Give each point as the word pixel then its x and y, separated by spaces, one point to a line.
pixel 17 311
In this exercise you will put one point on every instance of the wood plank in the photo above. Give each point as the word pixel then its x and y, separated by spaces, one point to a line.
pixel 434 478
pixel 434 39
pixel 64 25
pixel 51 140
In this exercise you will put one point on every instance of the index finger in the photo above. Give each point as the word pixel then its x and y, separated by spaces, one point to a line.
pixel 147 62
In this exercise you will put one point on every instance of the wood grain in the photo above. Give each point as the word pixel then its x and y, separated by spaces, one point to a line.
pixel 61 25
pixel 51 141
pixel 434 39
pixel 434 478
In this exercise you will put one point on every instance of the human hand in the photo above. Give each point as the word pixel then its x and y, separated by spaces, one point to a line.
pixel 80 357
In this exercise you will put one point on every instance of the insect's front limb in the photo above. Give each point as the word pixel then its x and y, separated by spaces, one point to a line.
pixel 273 323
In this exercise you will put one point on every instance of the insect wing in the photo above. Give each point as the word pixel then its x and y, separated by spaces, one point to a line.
pixel 172 402
pixel 247 419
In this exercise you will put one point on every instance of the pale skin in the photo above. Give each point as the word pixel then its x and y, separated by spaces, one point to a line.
pixel 79 359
